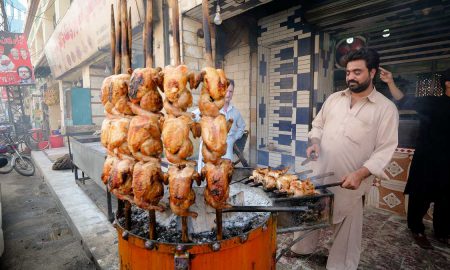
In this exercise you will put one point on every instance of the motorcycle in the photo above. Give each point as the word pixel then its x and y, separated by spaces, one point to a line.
pixel 15 160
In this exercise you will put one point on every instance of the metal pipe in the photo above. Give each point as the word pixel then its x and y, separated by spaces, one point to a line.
pixel 219 224
pixel 148 34
pixel 207 34
pixel 113 40
pixel 271 209
pixel 130 36
pixel 152 224
pixel 175 31
pixel 118 54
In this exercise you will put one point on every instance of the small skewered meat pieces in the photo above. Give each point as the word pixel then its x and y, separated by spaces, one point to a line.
pixel 120 183
pixel 284 182
pixel 147 184
pixel 213 92
pixel 181 196
pixel 218 178
pixel 175 136
pixel 114 94
pixel 178 97
pixel 144 134
pixel 108 168
pixel 214 136
pixel 118 132
pixel 301 188
pixel 143 89
pixel 258 175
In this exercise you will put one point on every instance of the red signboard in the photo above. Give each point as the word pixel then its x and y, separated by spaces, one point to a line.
pixel 15 63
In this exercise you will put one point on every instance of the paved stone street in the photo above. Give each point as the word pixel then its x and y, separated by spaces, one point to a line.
pixel 37 235
pixel 386 245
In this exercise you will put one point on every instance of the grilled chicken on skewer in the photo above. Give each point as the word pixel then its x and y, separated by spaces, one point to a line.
pixel 143 89
pixel 114 94
pixel 218 178
pixel 147 184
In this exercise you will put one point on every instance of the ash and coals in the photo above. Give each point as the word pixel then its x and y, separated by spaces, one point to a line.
pixel 239 224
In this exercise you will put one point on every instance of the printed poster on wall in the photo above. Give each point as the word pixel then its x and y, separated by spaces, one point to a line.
pixel 15 63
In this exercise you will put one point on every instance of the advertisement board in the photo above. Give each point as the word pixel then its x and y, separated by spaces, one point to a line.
pixel 15 63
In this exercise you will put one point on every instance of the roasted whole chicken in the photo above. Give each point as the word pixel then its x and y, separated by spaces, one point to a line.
pixel 143 89
pixel 118 131
pixel 144 134
pixel 105 132
pixel 181 196
pixel 114 94
pixel 107 168
pixel 213 91
pixel 175 137
pixel 214 136
pixel 178 97
pixel 147 184
pixel 218 178
pixel 120 183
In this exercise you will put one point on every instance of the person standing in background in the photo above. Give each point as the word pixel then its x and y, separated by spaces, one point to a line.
pixel 236 130
pixel 429 175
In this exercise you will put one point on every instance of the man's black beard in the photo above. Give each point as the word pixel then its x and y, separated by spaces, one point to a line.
pixel 359 87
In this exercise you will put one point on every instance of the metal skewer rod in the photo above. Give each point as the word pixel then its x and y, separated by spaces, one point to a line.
pixel 271 209
pixel 127 215
pixel 207 34
pixel 152 224
pixel 130 35
pixel 124 29
pixel 118 55
pixel 148 34
pixel 113 40
pixel 219 224
pixel 184 230
pixel 173 4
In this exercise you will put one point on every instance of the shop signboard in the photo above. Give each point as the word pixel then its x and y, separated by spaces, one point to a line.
pixel 83 32
pixel 15 63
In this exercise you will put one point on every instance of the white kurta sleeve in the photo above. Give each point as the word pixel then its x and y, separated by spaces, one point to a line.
pixel 319 121
pixel 386 143
pixel 240 126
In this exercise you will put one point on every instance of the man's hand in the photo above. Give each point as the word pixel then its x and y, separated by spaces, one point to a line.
pixel 353 180
pixel 313 148
pixel 386 76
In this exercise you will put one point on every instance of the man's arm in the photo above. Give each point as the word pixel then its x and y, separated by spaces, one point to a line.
pixel 315 135
pixel 403 102
pixel 386 142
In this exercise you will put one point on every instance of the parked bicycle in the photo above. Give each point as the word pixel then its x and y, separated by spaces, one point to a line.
pixel 9 149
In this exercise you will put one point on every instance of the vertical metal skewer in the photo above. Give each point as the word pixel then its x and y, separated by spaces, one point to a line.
pixel 118 51
pixel 148 35
pixel 130 35
pixel 127 215
pixel 175 31
pixel 113 40
pixel 184 230
pixel 219 224
pixel 124 29
pixel 152 224
pixel 207 34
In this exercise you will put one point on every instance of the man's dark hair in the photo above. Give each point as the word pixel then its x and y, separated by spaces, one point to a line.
pixel 445 77
pixel 371 57
pixel 27 68
pixel 231 82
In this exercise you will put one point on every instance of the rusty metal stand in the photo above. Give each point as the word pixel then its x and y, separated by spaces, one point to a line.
pixel 127 215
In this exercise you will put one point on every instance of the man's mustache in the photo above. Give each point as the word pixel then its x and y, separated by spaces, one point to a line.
pixel 352 81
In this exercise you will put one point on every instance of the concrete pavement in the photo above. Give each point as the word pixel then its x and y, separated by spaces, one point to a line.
pixel 98 236
pixel 37 235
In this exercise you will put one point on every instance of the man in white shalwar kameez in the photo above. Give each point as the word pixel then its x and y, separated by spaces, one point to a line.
pixel 354 135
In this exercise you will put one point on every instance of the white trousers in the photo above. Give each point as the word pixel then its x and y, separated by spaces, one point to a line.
pixel 346 248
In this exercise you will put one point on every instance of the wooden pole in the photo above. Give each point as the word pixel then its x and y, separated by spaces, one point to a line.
pixel 175 31
pixel 207 34
pixel 148 35
pixel 125 50
pixel 113 40
pixel 152 223
pixel 184 230
pixel 130 35
pixel 118 56
pixel 219 223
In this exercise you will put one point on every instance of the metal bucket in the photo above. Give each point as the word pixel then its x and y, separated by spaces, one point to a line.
pixel 252 249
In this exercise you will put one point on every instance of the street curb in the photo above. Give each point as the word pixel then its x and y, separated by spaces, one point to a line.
pixel 98 237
